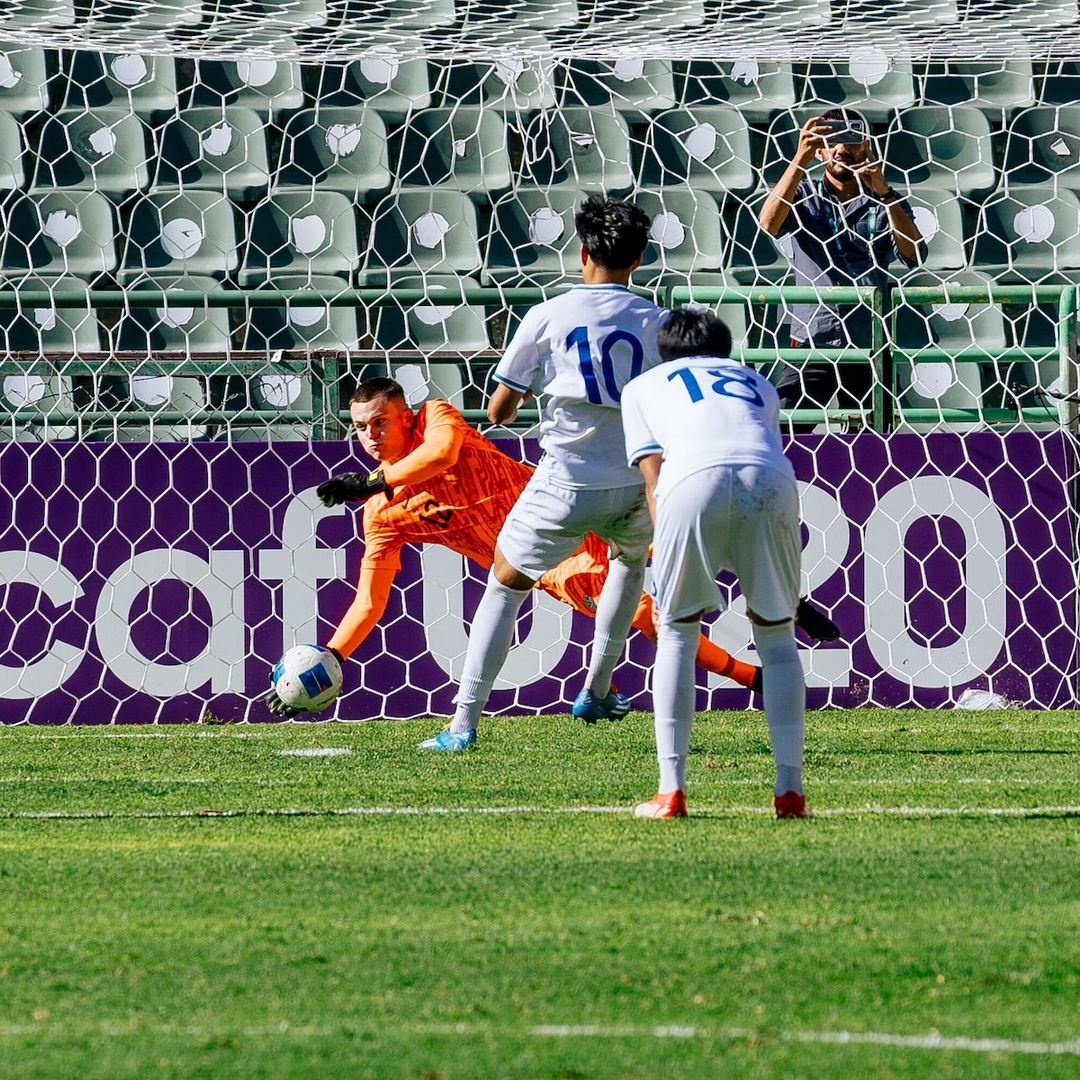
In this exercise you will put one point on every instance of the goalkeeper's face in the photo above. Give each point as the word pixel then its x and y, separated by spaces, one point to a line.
pixel 384 428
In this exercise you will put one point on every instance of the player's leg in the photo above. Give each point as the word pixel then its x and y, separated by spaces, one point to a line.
pixel 709 656
pixel 766 553
pixel 622 518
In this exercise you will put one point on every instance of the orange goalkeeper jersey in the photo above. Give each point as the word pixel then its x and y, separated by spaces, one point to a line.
pixel 464 507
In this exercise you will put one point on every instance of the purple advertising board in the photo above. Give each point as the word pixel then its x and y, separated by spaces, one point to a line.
pixel 158 582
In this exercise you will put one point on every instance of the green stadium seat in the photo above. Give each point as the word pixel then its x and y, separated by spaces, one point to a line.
pixel 296 327
pixel 1043 147
pixel 394 84
pixel 214 149
pixel 532 239
pixel 60 232
pixel 281 13
pixel 756 88
pixel 172 326
pixel 301 232
pixel 426 232
pixel 870 80
pixel 942 147
pixel 151 14
pixel 705 148
pixel 24 80
pixel 11 153
pixel 267 86
pixel 939 217
pixel 399 14
pixel 685 236
pixel 1060 83
pixel 131 81
pixel 1030 234
pixel 995 87
pixel 542 15
pixel 659 14
pixel 337 148
pixel 945 326
pixel 510 84
pixel 462 148
pixel 754 257
pixel 630 83
pixel 180 233
pixel 738 317
pixel 103 150
pixel 38 15
pixel 586 149
pixel 46 329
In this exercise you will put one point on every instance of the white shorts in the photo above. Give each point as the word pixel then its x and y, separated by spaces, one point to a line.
pixel 549 522
pixel 743 518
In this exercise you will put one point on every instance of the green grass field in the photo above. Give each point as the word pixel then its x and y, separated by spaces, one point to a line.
pixel 499 913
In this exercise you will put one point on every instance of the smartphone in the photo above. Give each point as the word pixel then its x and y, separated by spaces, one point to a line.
pixel 846 131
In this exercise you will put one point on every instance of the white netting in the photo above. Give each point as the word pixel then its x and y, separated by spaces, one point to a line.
pixel 303 147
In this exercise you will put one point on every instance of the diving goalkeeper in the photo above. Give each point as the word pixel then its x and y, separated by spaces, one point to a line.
pixel 439 481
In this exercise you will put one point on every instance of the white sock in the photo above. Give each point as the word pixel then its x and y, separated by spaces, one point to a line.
pixel 673 699
pixel 614 613
pixel 489 641
pixel 784 694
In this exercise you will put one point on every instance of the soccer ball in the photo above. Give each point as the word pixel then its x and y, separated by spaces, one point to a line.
pixel 307 677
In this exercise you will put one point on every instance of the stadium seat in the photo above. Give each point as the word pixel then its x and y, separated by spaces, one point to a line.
pixel 38 14
pixel 738 316
pixel 104 15
pixel 942 147
pixel 870 80
pixel 180 233
pixel 757 89
pixel 939 217
pixel 11 153
pixel 534 15
pixel 660 14
pixel 532 238
pixel 753 256
pixel 1029 234
pixel 1060 83
pixel 103 150
pixel 1043 147
pixel 131 81
pixel 59 232
pixel 392 83
pixel 945 326
pixel 685 235
pixel 267 86
pixel 586 149
pixel 301 232
pixel 427 232
pixel 705 148
pixel 214 149
pixel 996 87
pixel 24 80
pixel 289 13
pixel 47 329
pixel 462 148
pixel 630 83
pixel 338 149
pixel 296 327
pixel 400 14
pixel 509 84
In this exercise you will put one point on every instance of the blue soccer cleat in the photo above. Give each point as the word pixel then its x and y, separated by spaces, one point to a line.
pixel 448 740
pixel 590 708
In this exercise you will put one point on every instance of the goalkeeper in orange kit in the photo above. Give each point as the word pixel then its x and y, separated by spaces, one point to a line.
pixel 439 481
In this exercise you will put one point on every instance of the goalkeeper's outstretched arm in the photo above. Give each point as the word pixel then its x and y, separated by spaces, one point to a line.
pixel 367 608
pixel 437 451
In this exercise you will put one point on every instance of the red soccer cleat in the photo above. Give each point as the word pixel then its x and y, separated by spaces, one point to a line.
pixel 669 804
pixel 792 804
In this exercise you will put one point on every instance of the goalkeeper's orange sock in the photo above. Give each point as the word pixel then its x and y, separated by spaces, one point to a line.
pixel 719 661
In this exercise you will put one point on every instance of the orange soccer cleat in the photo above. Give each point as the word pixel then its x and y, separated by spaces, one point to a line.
pixel 792 804
pixel 668 804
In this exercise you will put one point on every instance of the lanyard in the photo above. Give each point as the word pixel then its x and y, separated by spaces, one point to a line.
pixel 831 207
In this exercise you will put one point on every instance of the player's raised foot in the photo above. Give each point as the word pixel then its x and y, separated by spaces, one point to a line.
pixel 664 804
pixel 449 740
pixel 792 804
pixel 815 623
pixel 588 707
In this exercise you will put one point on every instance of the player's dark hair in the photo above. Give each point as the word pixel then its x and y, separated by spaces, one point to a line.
pixel 380 386
pixel 613 233
pixel 688 332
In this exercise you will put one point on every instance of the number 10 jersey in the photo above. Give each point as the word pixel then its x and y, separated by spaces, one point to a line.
pixel 579 350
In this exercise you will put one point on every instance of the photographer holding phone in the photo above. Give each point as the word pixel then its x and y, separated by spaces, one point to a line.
pixel 846 228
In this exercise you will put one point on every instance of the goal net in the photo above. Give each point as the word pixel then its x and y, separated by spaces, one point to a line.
pixel 215 220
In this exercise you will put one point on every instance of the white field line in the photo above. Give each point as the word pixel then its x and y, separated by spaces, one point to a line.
pixel 931 1041
pixel 489 811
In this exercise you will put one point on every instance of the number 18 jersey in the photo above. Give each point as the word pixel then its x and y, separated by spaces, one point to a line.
pixel 579 350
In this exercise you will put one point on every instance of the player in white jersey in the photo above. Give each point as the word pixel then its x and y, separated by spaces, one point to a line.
pixel 705 432
pixel 578 350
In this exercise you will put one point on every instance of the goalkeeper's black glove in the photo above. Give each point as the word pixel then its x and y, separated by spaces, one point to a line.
pixel 351 487
pixel 278 707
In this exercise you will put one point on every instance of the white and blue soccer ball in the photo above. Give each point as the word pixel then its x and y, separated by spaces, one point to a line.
pixel 307 677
